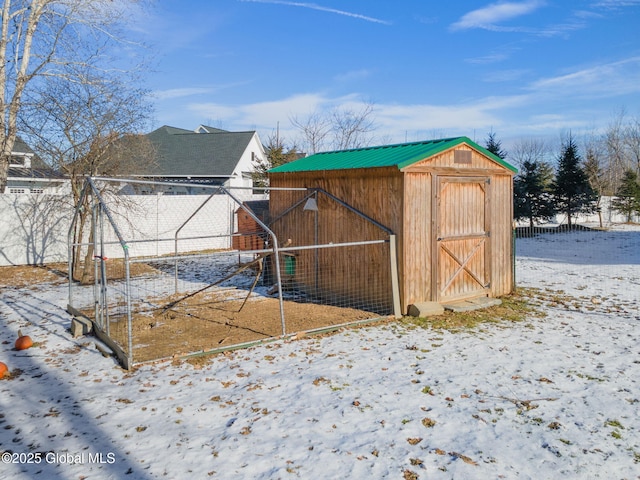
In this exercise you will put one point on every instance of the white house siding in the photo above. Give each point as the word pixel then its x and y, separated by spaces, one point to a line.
pixel 253 153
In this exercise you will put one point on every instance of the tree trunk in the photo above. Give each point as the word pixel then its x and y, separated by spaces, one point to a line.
pixel 4 170
pixel 88 261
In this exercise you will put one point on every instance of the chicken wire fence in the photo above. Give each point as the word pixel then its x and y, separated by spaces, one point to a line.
pixel 162 276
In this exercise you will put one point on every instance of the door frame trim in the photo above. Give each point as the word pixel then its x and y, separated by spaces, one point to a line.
pixel 437 184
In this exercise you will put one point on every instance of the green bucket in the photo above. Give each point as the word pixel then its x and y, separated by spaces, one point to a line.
pixel 289 265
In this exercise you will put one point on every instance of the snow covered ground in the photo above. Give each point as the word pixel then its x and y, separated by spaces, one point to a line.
pixel 552 397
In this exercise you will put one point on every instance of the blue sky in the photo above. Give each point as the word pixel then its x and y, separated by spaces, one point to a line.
pixel 432 69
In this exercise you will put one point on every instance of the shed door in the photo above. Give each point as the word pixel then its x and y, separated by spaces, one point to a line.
pixel 462 238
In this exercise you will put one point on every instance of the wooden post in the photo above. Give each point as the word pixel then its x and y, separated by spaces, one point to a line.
pixel 395 290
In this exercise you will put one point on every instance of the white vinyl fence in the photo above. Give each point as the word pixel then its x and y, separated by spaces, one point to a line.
pixel 33 228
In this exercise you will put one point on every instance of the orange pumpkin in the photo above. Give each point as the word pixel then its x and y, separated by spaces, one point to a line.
pixel 23 342
pixel 3 369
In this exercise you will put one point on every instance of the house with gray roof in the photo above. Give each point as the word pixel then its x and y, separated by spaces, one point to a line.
pixel 29 174
pixel 206 156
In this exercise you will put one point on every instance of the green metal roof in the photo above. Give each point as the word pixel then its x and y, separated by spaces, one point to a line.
pixel 400 156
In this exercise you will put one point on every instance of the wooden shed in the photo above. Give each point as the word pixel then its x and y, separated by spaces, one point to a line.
pixel 448 201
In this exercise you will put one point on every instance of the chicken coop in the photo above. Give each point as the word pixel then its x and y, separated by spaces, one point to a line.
pixel 250 234
pixel 448 202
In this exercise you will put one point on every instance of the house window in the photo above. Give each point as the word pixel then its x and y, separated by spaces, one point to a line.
pixel 16 161
pixel 17 190
pixel 37 190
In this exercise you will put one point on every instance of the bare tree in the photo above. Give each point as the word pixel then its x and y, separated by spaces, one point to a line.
pixel 617 160
pixel 532 150
pixel 314 130
pixel 85 129
pixel 338 129
pixel 632 142
pixel 594 166
pixel 90 127
pixel 38 38
pixel 352 128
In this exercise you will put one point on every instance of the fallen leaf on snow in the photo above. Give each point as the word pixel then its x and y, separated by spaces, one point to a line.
pixel 464 458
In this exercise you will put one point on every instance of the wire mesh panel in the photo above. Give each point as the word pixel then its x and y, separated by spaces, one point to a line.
pixel 99 267
pixel 334 255
pixel 212 305
pixel 164 276
pixel 330 281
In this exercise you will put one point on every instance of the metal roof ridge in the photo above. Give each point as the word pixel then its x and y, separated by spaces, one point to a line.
pixel 393 145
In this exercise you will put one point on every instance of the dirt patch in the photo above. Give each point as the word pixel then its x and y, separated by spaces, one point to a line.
pixel 209 321
pixel 20 276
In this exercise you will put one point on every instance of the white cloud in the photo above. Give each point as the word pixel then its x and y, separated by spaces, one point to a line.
pixel 605 80
pixel 262 114
pixel 181 92
pixel 506 75
pixel 616 3
pixel 392 120
pixel 495 57
pixel 487 17
pixel 314 6
pixel 533 109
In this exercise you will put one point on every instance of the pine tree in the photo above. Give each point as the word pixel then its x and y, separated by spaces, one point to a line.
pixel 572 192
pixel 276 154
pixel 495 146
pixel 532 187
pixel 627 199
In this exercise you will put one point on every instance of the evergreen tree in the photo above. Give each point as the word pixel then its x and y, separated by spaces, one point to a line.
pixel 495 146
pixel 533 199
pixel 572 192
pixel 277 154
pixel 627 199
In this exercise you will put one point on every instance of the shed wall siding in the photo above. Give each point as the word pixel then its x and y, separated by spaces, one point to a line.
pixel 417 240
pixel 377 193
pixel 501 235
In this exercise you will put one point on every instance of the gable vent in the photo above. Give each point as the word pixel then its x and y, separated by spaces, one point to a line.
pixel 462 156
